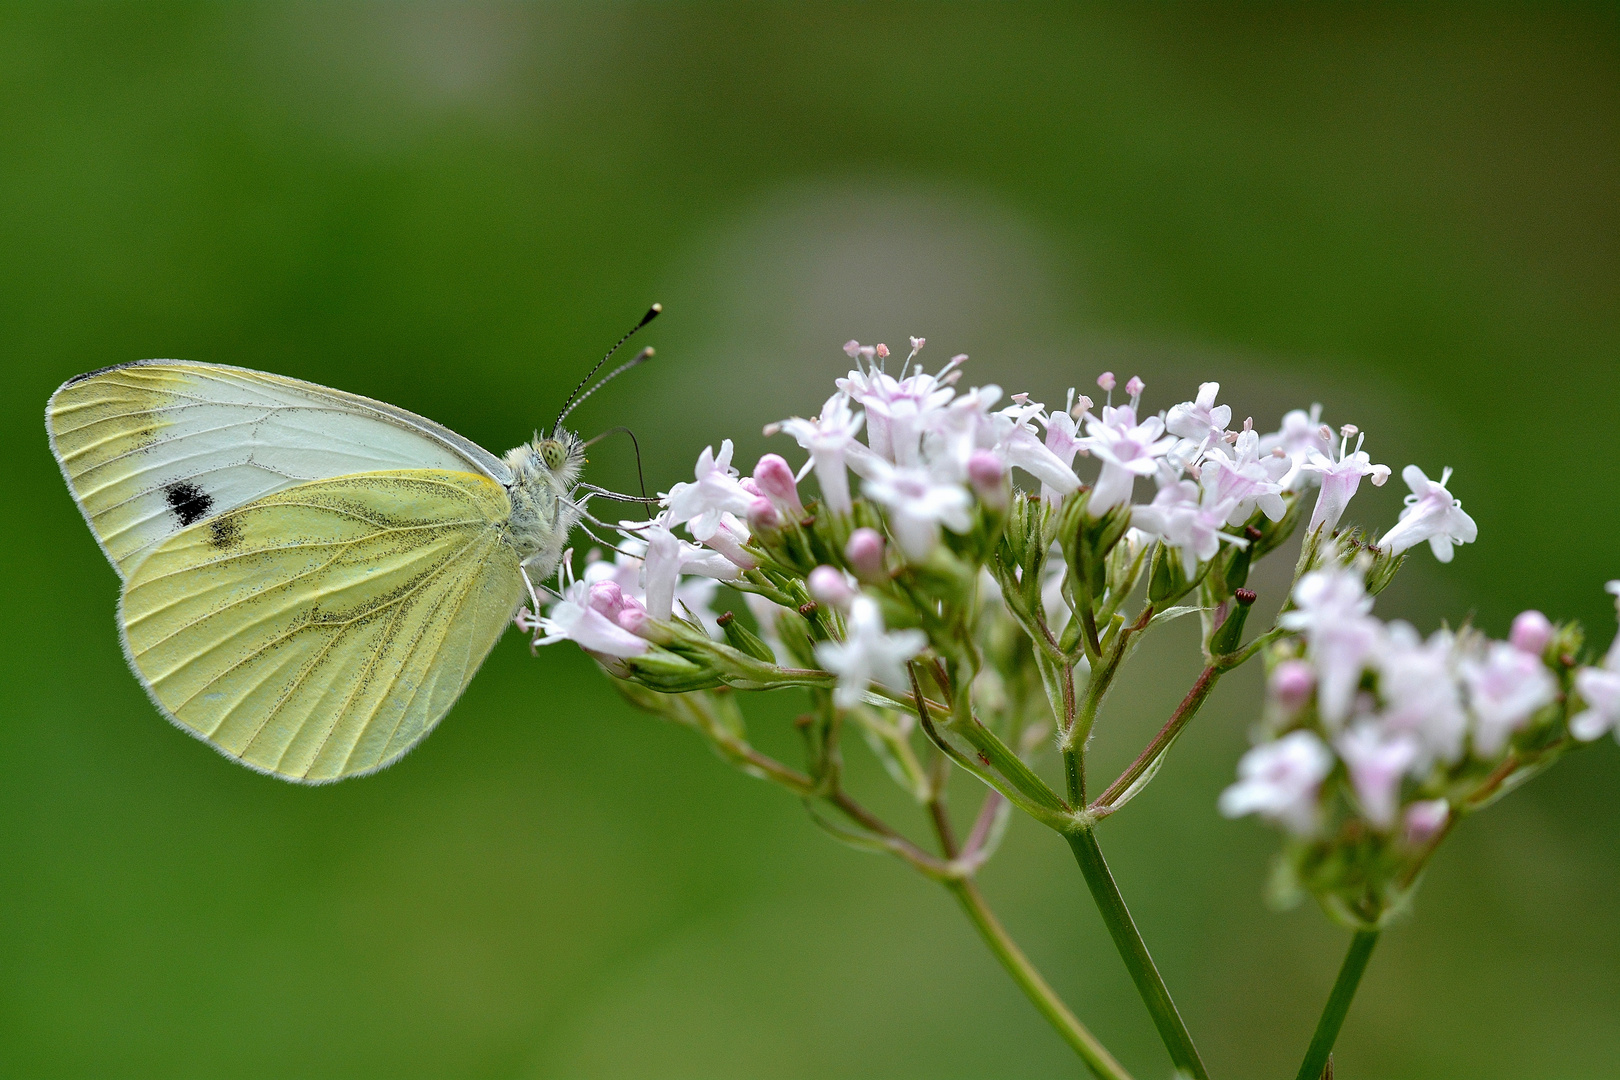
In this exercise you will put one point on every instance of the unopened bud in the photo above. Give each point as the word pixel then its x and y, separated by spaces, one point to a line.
pixel 865 554
pixel 1424 820
pixel 1291 684
pixel 831 587
pixel 774 478
pixel 989 478
pixel 762 515
pixel 1245 596
pixel 1531 632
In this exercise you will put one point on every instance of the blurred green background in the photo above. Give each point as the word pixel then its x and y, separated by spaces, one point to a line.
pixel 1409 213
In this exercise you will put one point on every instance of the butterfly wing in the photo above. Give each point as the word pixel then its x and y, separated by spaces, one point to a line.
pixel 153 447
pixel 321 631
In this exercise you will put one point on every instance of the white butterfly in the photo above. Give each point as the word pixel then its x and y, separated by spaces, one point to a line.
pixel 310 578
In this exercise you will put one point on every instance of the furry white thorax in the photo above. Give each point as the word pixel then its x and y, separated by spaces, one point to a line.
pixel 543 510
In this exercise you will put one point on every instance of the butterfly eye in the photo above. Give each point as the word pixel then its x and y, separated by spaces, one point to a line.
pixel 552 452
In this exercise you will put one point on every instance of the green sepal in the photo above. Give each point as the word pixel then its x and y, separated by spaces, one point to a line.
pixel 742 639
pixel 671 673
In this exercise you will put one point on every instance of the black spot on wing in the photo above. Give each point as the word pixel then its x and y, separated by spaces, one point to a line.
pixel 225 532
pixel 188 502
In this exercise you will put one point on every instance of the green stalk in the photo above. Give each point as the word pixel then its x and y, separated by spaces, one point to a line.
pixel 1029 980
pixel 1133 950
pixel 1338 1004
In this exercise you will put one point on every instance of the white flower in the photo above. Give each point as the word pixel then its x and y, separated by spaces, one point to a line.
pixel 1418 683
pixel 574 618
pixel 1126 449
pixel 1340 635
pixel 1431 514
pixel 1019 445
pixel 868 654
pixel 1376 760
pixel 728 538
pixel 667 558
pixel 1202 421
pixel 1599 688
pixel 1301 433
pixel 957 431
pixel 716 491
pixel 1340 478
pixel 1245 480
pixel 918 504
pixel 1505 688
pixel 1193 528
pixel 830 439
pixel 1279 781
pixel 898 411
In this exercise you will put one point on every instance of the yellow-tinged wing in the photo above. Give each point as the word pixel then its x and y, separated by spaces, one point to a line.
pixel 152 447
pixel 321 631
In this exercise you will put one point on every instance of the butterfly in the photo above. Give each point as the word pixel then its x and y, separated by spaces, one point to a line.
pixel 310 577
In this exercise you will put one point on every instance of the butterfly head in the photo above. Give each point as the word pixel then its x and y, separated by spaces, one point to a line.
pixel 554 461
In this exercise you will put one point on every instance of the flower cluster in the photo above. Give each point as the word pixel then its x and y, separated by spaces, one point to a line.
pixel 972 573
pixel 1375 737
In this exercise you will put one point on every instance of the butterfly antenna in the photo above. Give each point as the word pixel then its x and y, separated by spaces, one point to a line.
pixel 635 361
pixel 568 406
pixel 634 442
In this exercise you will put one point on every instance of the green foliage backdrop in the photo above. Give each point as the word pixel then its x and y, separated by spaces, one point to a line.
pixel 1410 213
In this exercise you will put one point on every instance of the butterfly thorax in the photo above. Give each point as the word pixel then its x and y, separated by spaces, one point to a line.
pixel 543 513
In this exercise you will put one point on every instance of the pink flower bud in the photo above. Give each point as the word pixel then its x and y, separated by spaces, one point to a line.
pixel 1531 633
pixel 1424 820
pixel 1106 381
pixel 762 515
pixel 865 554
pixel 608 598
pixel 774 478
pixel 830 587
pixel 989 478
pixel 1291 684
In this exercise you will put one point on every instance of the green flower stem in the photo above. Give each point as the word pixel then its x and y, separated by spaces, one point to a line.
pixel 1133 950
pixel 1161 742
pixel 1077 729
pixel 1338 1004
pixel 1029 980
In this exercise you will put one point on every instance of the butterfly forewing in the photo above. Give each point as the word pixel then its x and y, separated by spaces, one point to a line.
pixel 153 447
pixel 320 631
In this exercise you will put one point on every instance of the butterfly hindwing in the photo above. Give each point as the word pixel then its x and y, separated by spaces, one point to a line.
pixel 320 631
pixel 153 447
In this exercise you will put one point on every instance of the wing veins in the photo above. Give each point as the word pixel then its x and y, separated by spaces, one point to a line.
pixel 392 680
pixel 318 595
pixel 284 637
pixel 444 625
